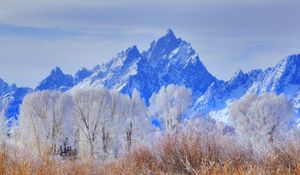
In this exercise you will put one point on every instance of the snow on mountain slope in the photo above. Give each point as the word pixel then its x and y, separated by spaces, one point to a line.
pixel 220 93
pixel 168 60
pixel 12 102
pixel 5 87
pixel 114 74
pixel 11 98
pixel 282 78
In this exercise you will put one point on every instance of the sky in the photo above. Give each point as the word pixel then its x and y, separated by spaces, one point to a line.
pixel 36 36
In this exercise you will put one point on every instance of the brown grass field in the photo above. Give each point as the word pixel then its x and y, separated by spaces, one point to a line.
pixel 178 154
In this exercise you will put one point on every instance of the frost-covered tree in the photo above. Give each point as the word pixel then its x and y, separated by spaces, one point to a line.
pixel 115 125
pixel 169 104
pixel 137 121
pixel 261 120
pixel 3 131
pixel 128 122
pixel 108 123
pixel 97 122
pixel 91 115
pixel 46 121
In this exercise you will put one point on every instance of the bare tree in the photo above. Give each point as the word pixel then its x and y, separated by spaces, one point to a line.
pixel 90 113
pixel 98 123
pixel 45 120
pixel 169 104
pixel 138 121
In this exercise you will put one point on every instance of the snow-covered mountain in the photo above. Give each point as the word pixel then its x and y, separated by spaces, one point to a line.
pixel 168 60
pixel 219 92
pixel 114 74
pixel 57 80
pixel 282 78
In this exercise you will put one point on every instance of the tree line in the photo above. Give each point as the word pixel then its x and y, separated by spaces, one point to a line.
pixel 105 125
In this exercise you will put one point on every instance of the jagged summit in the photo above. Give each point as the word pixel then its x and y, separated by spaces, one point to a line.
pixel 291 62
pixel 57 80
pixel 56 70
pixel 81 74
pixel 294 58
pixel 282 78
pixel 170 32
pixel 237 73
pixel 123 58
pixel 132 51
pixel 168 60
pixel 127 56
pixel 163 46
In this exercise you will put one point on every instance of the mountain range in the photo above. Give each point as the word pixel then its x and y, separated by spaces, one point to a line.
pixel 168 60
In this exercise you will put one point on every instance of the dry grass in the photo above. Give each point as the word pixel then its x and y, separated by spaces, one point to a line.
pixel 177 154
pixel 186 155
pixel 47 165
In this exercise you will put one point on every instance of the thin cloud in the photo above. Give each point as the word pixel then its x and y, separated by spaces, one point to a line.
pixel 71 34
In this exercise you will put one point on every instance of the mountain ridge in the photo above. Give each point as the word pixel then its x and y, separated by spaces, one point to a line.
pixel 284 78
pixel 168 60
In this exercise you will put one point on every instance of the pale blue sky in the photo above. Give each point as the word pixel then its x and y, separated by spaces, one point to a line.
pixel 36 36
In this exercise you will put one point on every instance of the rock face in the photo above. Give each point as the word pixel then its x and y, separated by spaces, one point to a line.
pixel 168 60
pixel 11 98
